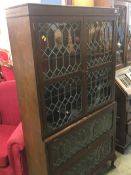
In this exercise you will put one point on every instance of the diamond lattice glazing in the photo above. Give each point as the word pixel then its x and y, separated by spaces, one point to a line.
pixel 99 90
pixel 99 43
pixel 63 103
pixel 59 48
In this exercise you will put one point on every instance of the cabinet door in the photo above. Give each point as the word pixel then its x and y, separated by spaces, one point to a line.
pixel 58 45
pixel 78 139
pixel 60 70
pixel 121 34
pixel 129 35
pixel 99 61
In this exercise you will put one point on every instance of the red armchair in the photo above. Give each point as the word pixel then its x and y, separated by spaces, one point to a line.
pixel 6 66
pixel 12 154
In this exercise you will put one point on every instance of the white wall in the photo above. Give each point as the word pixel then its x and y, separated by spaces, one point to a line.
pixel 9 3
pixel 4 38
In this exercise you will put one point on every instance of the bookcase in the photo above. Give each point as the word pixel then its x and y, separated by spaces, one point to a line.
pixel 123 60
pixel 64 63
pixel 123 51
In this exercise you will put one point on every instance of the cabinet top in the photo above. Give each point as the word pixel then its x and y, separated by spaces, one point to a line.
pixel 51 10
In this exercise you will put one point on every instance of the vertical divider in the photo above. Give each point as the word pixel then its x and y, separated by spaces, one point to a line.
pixel 84 65
pixel 114 60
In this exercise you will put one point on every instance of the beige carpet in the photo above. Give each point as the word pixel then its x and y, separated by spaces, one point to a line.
pixel 122 163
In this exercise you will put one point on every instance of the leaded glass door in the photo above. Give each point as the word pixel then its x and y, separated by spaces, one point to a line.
pixel 129 34
pixel 59 44
pixel 99 60
pixel 121 34
pixel 61 150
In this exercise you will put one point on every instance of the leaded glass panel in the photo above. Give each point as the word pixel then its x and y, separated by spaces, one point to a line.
pixel 129 36
pixel 121 30
pixel 99 87
pixel 59 48
pixel 99 43
pixel 62 149
pixel 88 162
pixel 63 100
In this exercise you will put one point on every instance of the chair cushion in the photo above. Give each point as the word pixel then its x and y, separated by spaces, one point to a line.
pixel 9 106
pixel 5 132
pixel 8 73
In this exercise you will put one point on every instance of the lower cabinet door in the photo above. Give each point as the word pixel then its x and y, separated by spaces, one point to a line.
pixel 73 143
pixel 90 161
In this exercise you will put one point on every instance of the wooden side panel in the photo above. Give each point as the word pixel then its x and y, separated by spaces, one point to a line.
pixel 121 117
pixel 24 67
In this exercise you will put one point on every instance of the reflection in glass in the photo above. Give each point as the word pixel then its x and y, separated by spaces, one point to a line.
pixel 99 89
pixel 99 43
pixel 63 103
pixel 121 24
pixel 59 48
pixel 129 37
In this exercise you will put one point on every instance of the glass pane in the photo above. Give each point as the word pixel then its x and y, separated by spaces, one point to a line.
pixel 121 27
pixel 99 87
pixel 99 43
pixel 59 48
pixel 62 149
pixel 63 103
pixel 88 162
pixel 129 37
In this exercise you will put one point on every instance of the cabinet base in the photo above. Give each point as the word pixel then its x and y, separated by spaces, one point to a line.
pixel 105 166
pixel 121 148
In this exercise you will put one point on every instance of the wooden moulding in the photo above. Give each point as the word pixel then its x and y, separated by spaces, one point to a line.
pixel 40 10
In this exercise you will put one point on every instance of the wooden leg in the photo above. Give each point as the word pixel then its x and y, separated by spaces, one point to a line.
pixel 112 164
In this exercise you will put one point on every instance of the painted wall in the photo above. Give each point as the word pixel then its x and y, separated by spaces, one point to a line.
pixel 4 38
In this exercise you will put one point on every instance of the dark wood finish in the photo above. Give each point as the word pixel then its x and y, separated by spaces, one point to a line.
pixel 50 10
pixel 123 115
pixel 78 124
pixel 95 118
pixel 50 98
pixel 122 121
pixel 123 8
pixel 86 152
pixel 127 5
